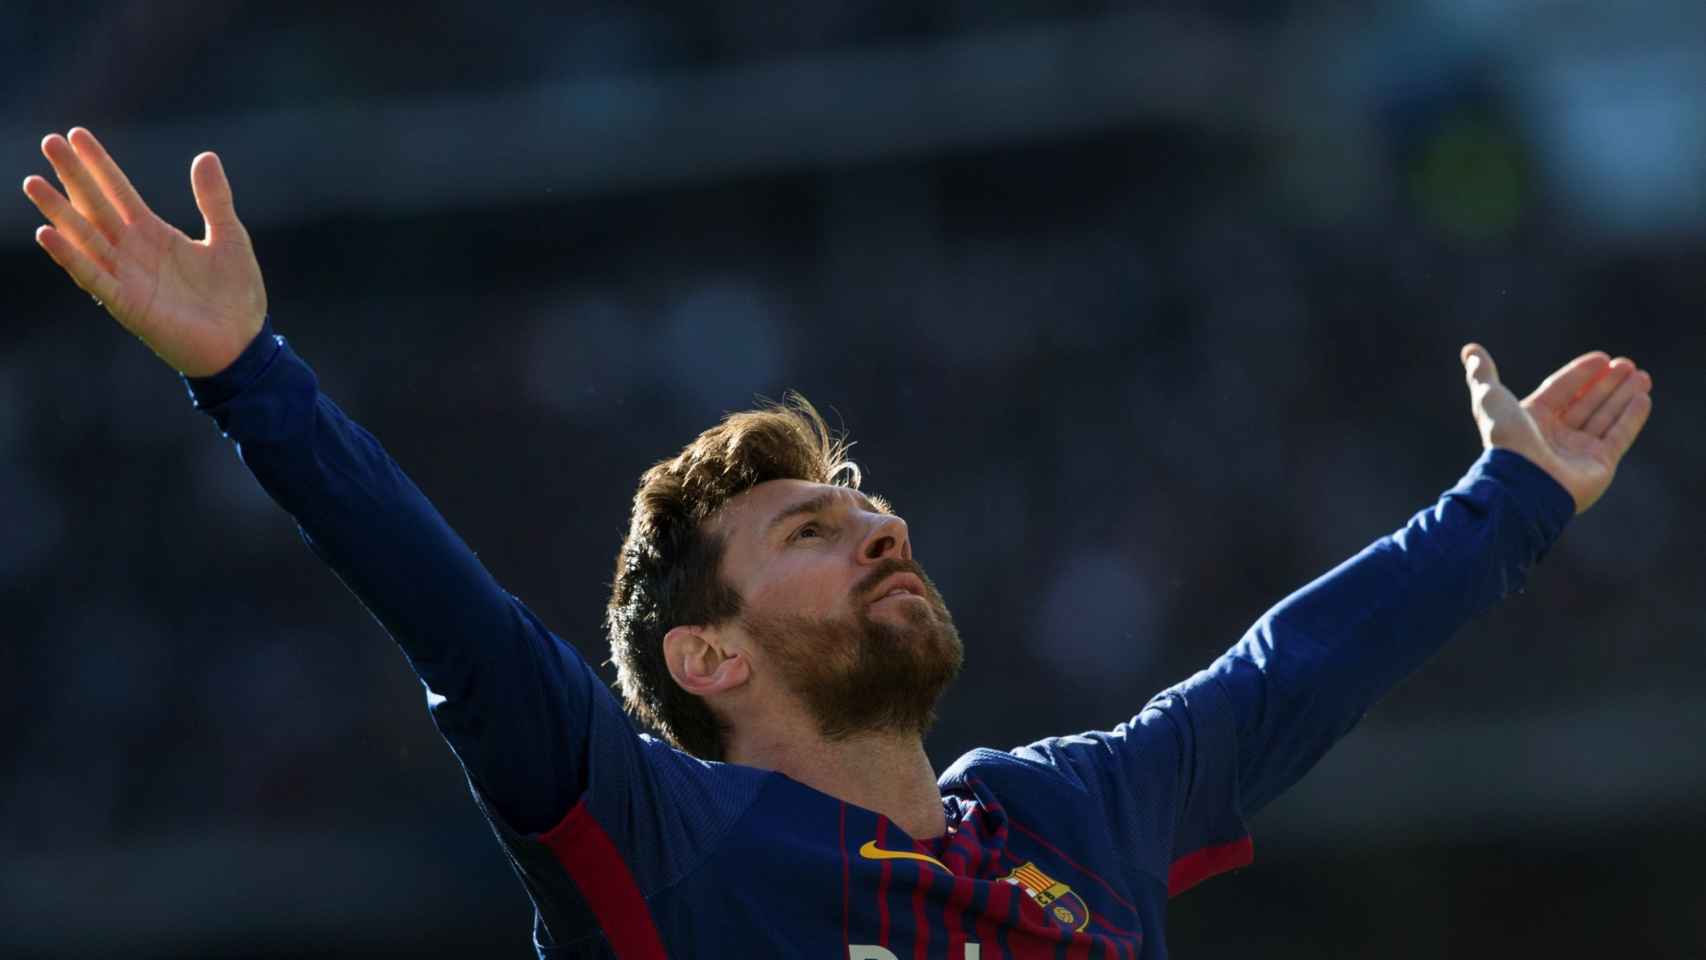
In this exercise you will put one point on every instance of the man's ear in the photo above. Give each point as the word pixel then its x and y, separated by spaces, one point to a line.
pixel 703 661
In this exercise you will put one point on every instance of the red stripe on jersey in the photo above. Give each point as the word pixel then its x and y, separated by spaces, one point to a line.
pixel 1078 948
pixel 846 878
pixel 994 912
pixel 1193 868
pixel 592 861
pixel 1025 943
pixel 971 846
pixel 955 859
pixel 920 921
pixel 883 885
pixel 1116 930
pixel 957 900
pixel 974 858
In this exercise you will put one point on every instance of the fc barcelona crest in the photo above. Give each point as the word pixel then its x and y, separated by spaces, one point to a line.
pixel 1063 907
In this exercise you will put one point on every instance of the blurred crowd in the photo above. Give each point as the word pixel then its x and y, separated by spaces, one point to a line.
pixel 1129 385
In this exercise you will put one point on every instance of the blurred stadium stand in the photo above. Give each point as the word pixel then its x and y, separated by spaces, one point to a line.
pixel 1143 315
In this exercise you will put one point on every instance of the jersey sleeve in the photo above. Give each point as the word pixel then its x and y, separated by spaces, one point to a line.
pixel 541 738
pixel 1181 776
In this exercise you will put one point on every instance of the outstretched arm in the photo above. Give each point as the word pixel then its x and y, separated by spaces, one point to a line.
pixel 1182 775
pixel 1310 667
pixel 516 704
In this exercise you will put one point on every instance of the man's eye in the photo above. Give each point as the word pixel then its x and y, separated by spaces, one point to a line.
pixel 809 530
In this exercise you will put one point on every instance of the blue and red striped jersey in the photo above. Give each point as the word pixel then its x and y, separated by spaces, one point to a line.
pixel 1067 847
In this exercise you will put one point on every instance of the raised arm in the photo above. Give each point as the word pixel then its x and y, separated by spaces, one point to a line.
pixel 517 705
pixel 1310 667
pixel 1181 776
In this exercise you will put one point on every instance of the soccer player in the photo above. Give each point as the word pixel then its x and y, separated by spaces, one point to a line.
pixel 773 624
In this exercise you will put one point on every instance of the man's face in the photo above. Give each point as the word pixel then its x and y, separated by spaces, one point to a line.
pixel 836 606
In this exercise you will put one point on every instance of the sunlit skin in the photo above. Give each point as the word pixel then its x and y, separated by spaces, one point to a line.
pixel 810 564
pixel 198 303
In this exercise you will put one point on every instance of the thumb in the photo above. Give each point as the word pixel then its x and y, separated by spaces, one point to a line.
pixel 1497 413
pixel 213 198
pixel 1478 366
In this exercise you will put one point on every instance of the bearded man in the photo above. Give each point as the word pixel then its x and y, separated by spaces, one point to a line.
pixel 773 625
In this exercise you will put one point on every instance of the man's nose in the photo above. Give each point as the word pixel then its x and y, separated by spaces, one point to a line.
pixel 887 538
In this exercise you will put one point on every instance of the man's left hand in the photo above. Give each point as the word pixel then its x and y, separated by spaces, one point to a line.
pixel 1576 426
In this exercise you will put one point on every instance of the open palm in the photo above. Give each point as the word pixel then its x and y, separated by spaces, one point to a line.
pixel 1576 425
pixel 196 303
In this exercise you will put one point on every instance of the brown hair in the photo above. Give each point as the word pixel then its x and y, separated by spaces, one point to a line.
pixel 668 572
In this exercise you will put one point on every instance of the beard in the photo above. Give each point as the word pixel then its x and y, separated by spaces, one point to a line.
pixel 857 675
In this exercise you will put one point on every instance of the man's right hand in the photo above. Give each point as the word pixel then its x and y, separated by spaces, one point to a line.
pixel 196 303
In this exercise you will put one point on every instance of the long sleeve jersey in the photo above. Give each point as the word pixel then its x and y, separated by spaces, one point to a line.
pixel 1068 847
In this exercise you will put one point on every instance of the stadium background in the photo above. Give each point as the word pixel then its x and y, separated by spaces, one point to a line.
pixel 1143 315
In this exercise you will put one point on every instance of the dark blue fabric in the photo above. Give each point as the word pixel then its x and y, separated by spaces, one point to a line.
pixel 1309 669
pixel 735 861
pixel 207 392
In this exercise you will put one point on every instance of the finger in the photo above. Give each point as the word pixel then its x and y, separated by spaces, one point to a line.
pixel 1628 424
pixel 1478 366
pixel 1584 406
pixel 69 222
pixel 85 194
pixel 113 182
pixel 213 197
pixel 1556 391
pixel 85 272
pixel 1612 409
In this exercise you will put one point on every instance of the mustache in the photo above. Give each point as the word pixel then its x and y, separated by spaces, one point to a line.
pixel 888 568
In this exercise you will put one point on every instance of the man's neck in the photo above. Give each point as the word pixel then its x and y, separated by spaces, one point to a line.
pixel 888 773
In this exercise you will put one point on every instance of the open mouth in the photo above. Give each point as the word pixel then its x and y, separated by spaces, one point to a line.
pixel 900 585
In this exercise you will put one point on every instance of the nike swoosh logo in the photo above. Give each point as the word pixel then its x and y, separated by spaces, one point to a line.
pixel 870 851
